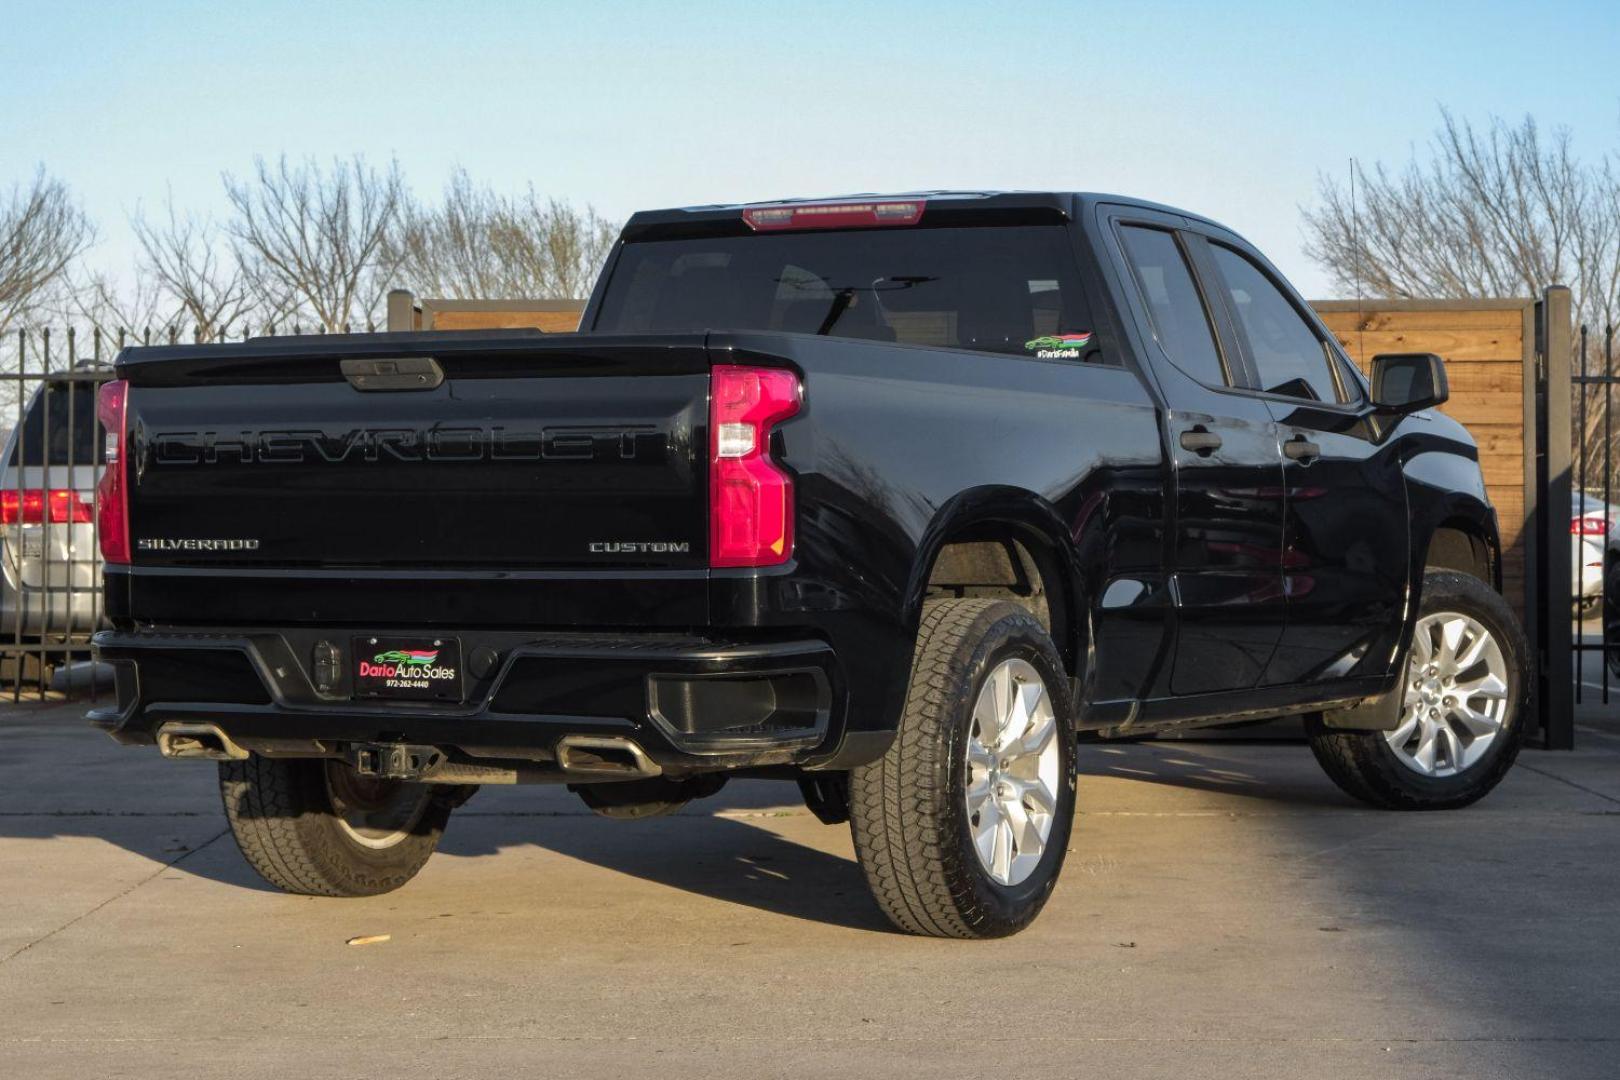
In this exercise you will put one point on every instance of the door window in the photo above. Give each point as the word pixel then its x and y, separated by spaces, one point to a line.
pixel 1180 321
pixel 1288 356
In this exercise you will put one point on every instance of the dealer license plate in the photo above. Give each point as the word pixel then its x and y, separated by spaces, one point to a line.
pixel 422 669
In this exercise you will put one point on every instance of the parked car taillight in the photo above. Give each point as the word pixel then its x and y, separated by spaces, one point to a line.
pixel 112 490
pixel 1591 525
pixel 750 496
pixel 61 506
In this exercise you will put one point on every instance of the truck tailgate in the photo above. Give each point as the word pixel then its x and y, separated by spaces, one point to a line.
pixel 534 453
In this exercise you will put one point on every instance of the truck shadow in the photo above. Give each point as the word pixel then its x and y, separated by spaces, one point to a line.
pixel 716 857
pixel 737 860
pixel 1224 767
pixel 727 848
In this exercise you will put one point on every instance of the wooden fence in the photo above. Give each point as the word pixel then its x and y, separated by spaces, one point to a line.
pixel 407 312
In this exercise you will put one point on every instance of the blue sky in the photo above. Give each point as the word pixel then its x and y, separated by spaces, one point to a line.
pixel 1228 108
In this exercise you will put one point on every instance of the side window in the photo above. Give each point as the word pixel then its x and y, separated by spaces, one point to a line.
pixel 1288 356
pixel 1180 321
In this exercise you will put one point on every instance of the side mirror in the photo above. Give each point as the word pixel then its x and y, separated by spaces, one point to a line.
pixel 1406 382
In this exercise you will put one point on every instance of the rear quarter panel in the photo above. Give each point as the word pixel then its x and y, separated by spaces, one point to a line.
pixel 898 447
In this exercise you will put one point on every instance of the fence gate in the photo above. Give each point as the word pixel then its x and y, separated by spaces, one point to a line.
pixel 52 449
pixel 50 560
pixel 1584 386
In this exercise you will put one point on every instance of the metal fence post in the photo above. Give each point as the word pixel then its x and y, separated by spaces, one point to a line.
pixel 1553 676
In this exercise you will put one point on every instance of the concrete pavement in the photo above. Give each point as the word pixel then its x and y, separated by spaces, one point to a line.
pixel 1225 913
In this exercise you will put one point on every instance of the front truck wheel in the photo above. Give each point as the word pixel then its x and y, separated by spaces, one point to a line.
pixel 962 826
pixel 1462 711
pixel 318 828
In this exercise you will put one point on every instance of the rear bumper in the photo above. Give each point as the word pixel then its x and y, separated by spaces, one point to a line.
pixel 693 705
pixel 51 614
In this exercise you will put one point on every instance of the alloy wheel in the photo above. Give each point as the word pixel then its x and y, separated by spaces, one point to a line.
pixel 1014 764
pixel 1456 696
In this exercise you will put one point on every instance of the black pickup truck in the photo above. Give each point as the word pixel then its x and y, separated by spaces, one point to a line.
pixel 893 497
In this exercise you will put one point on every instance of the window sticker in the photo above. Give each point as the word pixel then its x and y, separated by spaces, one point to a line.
pixel 1058 346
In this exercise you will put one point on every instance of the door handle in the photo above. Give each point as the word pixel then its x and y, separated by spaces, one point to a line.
pixel 1201 441
pixel 1301 449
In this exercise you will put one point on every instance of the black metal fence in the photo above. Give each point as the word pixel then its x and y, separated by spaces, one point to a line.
pixel 51 455
pixel 1595 520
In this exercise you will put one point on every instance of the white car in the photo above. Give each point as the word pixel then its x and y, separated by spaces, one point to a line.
pixel 1594 537
pixel 50 569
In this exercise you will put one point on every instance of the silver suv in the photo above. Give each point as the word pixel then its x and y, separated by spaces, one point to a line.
pixel 50 568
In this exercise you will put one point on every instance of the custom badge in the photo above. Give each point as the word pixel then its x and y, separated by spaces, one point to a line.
pixel 1059 346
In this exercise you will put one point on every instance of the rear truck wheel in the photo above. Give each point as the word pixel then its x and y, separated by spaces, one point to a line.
pixel 1462 712
pixel 962 826
pixel 317 827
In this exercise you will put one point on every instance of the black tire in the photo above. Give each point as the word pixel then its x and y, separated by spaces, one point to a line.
pixel 1364 765
pixel 908 810
pixel 290 829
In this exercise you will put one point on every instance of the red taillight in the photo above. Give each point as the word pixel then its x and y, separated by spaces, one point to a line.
pixel 22 507
pixel 843 215
pixel 112 491
pixel 1589 526
pixel 30 507
pixel 750 496
pixel 67 507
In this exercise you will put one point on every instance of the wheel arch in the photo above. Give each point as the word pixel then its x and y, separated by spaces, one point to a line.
pixel 1463 545
pixel 1010 543
pixel 1464 538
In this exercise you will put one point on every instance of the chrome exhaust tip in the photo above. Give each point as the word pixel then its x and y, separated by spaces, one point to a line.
pixel 178 739
pixel 604 757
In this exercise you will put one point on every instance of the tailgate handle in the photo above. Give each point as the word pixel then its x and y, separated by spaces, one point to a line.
pixel 394 373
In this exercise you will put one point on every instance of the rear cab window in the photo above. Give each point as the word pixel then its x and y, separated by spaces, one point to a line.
pixel 1012 289
pixel 1181 323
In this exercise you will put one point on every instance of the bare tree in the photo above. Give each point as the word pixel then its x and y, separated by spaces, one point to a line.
pixel 42 230
pixel 315 237
pixel 477 244
pixel 574 243
pixel 132 309
pixel 1498 211
pixel 185 259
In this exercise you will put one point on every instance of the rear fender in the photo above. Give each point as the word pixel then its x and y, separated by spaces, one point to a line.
pixel 1023 516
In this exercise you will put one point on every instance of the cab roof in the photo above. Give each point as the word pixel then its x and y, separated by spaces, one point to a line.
pixel 1031 207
